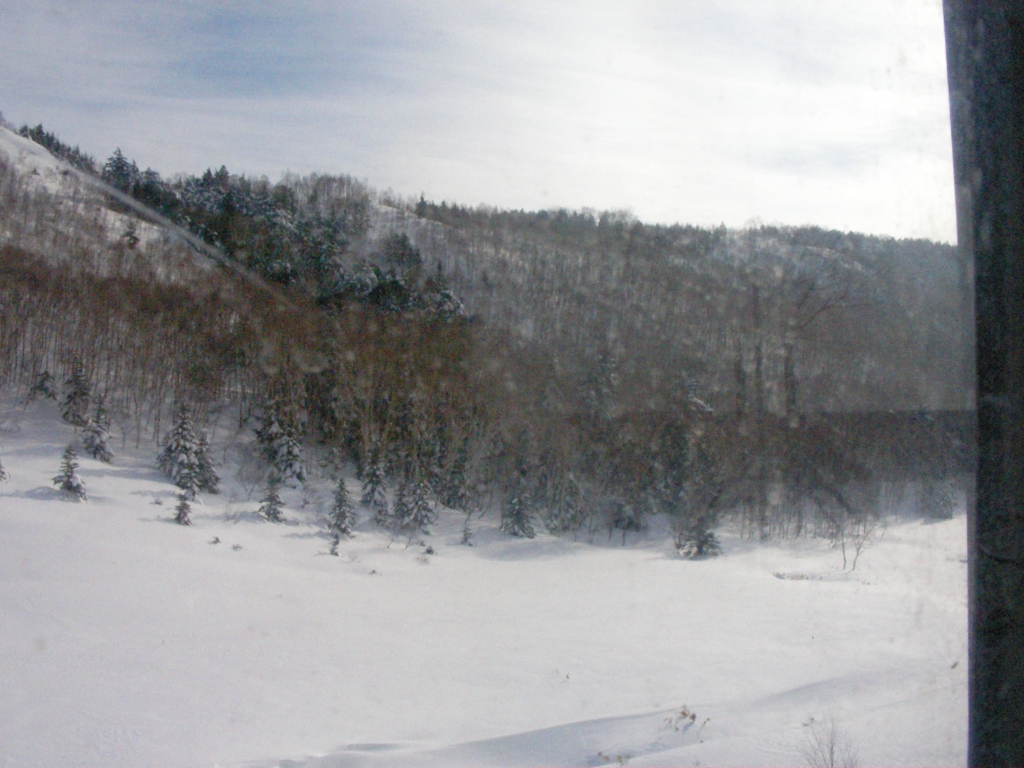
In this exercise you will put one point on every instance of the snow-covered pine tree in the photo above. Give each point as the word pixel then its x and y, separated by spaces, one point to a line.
pixel 516 517
pixel 183 510
pixel 566 513
pixel 4 476
pixel 401 510
pixel 698 541
pixel 96 440
pixel 179 459
pixel 374 495
pixel 121 172
pixel 270 433
pixel 280 447
pixel 75 405
pixel 421 513
pixel 45 387
pixel 271 504
pixel 207 479
pixel 343 515
pixel 68 481
pixel 289 463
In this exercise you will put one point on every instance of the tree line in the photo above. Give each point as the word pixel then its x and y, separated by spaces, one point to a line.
pixel 579 372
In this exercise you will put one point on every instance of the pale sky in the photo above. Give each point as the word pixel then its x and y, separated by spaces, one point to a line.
pixel 824 112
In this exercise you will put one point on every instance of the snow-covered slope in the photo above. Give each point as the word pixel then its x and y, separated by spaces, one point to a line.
pixel 127 640
pixel 40 169
pixel 41 173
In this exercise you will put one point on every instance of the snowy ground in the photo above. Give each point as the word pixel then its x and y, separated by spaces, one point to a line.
pixel 126 640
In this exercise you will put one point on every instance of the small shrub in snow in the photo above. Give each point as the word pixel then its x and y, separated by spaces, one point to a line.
pixel 271 504
pixel 68 481
pixel 182 511
pixel 96 439
pixel 4 476
pixel 856 532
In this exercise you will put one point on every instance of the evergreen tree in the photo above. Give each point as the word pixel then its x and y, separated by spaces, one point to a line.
pixel 566 513
pixel 270 433
pixel 4 476
pixel 401 510
pixel 179 459
pixel 271 504
pixel 672 470
pixel 421 513
pixel 374 495
pixel 698 541
pixel 96 440
pixel 121 173
pixel 207 479
pixel 58 148
pixel 343 515
pixel 68 481
pixel 280 448
pixel 400 255
pixel 75 405
pixel 290 464
pixel 516 517
pixel 131 234
pixel 183 510
pixel 45 387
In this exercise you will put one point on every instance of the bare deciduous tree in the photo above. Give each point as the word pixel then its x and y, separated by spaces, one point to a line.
pixel 827 745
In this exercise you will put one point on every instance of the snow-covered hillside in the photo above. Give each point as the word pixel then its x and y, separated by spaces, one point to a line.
pixel 40 173
pixel 127 640
pixel 40 169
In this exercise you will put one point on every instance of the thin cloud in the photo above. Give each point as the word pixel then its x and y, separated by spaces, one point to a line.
pixel 788 110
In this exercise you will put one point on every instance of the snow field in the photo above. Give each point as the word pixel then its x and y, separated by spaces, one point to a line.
pixel 128 640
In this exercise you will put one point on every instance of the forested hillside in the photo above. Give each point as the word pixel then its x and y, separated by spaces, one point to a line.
pixel 577 370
